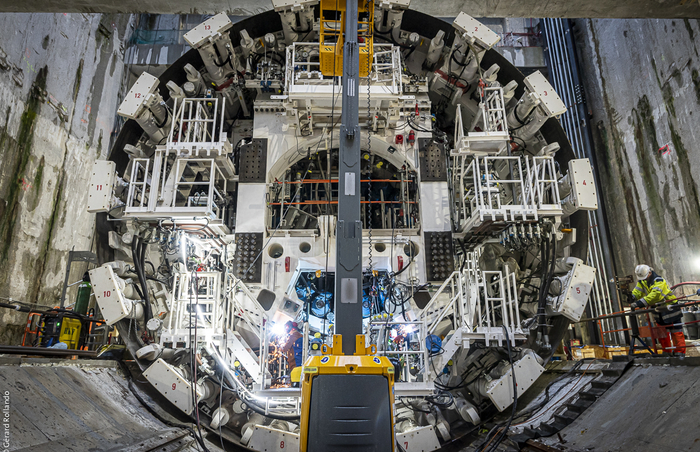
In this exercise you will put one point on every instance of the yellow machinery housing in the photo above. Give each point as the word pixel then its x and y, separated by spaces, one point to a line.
pixel 347 401
pixel 333 30
pixel 70 332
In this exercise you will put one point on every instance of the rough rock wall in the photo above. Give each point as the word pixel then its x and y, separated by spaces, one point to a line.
pixel 59 79
pixel 643 90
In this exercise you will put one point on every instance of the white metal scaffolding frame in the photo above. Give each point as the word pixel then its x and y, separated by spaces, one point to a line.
pixel 542 177
pixel 139 185
pixel 531 190
pixel 479 302
pixel 449 299
pixel 200 304
pixel 245 306
pixel 212 189
pixel 492 137
pixel 490 197
pixel 194 129
pixel 187 176
pixel 386 70
pixel 218 308
pixel 205 297
pixel 491 116
pixel 304 76
pixel 500 297
pixel 178 193
pixel 420 381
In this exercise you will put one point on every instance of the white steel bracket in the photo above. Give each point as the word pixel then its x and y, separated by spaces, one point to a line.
pixel 168 381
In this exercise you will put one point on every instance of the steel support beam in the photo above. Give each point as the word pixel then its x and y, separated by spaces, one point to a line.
pixel 348 273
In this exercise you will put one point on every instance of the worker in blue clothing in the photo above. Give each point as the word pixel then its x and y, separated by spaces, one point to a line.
pixel 652 291
pixel 293 346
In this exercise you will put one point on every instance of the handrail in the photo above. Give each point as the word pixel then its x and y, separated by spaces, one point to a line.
pixel 433 300
pixel 423 333
pixel 460 302
pixel 459 127
pixel 386 76
pixel 239 284
pixel 195 123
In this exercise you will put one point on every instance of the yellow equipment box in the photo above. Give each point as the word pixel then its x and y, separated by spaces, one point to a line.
pixel 332 34
pixel 347 401
pixel 70 332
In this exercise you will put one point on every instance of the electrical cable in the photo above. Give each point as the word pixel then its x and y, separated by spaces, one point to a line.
pixel 391 39
pixel 548 250
pixel 411 407
pixel 453 58
pixel 156 414
pixel 524 145
pixel 221 386
pixel 221 397
pixel 193 348
pixel 502 432
pixel 442 104
pixel 252 404
pixel 434 399
pixel 138 250
pixel 329 195
pixel 370 215
pixel 529 421
pixel 550 277
pixel 547 396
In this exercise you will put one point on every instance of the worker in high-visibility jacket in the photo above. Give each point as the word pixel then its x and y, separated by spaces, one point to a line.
pixel 652 291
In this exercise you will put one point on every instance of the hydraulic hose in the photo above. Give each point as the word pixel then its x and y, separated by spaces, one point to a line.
pixel 549 251
pixel 138 251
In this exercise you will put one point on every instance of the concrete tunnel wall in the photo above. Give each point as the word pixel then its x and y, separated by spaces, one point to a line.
pixel 60 75
pixel 643 91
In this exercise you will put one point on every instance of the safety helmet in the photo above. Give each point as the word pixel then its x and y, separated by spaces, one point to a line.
pixel 642 271
pixel 291 325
